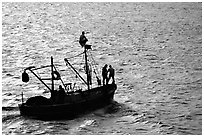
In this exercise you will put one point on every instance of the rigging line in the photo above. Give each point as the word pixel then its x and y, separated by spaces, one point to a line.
pixel 69 67
pixel 95 71
pixel 92 58
pixel 75 55
pixel 41 67
pixel 38 74
pixel 94 63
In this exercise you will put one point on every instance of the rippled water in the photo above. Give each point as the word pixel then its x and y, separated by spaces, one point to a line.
pixel 155 48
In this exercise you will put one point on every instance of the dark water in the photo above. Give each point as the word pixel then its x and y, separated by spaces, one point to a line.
pixel 155 48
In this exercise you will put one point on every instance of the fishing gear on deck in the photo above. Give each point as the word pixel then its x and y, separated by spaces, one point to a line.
pixel 55 75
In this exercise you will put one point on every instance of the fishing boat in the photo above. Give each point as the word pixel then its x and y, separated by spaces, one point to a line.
pixel 68 101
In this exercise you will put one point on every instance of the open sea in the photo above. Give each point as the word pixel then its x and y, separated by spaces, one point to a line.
pixel 155 49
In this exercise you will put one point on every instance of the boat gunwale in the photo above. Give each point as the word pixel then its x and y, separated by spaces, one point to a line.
pixel 70 103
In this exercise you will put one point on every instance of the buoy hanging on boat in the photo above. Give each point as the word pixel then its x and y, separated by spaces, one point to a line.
pixel 56 75
pixel 25 77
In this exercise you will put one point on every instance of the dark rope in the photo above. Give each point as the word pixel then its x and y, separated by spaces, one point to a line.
pixel 75 55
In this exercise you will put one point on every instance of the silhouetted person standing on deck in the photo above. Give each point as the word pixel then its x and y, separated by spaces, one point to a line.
pixel 83 39
pixel 104 75
pixel 111 72
pixel 61 95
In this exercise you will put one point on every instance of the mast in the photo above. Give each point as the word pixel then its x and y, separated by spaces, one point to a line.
pixel 52 74
pixel 87 68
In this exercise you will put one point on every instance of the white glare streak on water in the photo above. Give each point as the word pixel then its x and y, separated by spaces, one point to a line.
pixel 155 48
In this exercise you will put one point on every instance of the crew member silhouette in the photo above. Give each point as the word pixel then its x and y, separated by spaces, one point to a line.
pixel 111 72
pixel 61 95
pixel 104 74
pixel 83 39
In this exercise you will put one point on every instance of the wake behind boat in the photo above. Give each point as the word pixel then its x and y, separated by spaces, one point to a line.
pixel 68 101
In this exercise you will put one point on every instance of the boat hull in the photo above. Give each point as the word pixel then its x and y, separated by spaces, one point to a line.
pixel 88 100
